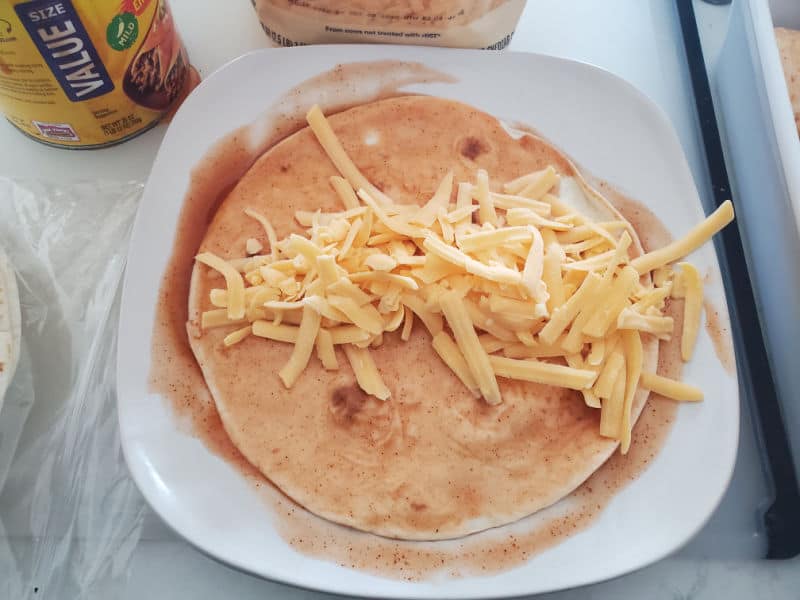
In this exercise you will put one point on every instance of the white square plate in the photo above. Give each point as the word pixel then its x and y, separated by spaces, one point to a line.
pixel 609 128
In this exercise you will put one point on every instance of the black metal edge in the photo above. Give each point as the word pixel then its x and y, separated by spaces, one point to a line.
pixel 782 518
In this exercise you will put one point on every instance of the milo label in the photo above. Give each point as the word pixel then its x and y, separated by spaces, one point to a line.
pixel 88 73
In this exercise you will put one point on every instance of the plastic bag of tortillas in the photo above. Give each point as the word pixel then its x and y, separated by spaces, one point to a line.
pixel 487 24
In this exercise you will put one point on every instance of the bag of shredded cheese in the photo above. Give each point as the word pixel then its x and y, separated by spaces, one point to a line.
pixel 485 24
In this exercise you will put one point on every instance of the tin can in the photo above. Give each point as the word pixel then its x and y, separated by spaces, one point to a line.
pixel 88 73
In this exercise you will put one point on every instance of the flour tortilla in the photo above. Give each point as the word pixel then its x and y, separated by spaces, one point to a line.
pixel 10 324
pixel 433 462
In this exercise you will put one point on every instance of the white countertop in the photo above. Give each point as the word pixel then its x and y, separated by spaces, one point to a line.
pixel 637 41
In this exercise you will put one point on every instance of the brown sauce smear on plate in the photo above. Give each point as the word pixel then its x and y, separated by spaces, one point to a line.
pixel 720 338
pixel 176 376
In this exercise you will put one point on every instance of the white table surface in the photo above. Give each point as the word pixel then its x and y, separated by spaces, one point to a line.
pixel 632 38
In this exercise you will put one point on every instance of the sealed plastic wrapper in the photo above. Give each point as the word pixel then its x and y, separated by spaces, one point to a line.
pixel 70 516
pixel 485 24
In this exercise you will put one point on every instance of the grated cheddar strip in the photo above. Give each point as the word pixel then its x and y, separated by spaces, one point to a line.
pixel 486 211
pixel 563 315
pixel 277 332
pixel 525 216
pixel 582 232
pixel 517 185
pixel 551 275
pixel 575 338
pixel 511 306
pixel 403 281
pixel 237 336
pixel 465 212
pixel 542 372
pixel 348 334
pixel 408 324
pixel 525 337
pixel 219 298
pixel 669 388
pixel 380 262
pixel 620 256
pixel 431 320
pixel 345 191
pixel 467 340
pixel 611 370
pixel 301 353
pixel 367 375
pixel 366 228
pixel 595 263
pixel 589 398
pixel 212 319
pixel 539 186
pixel 654 297
pixel 490 343
pixel 693 306
pixel 613 303
pixel 304 247
pixel 457 257
pixel 537 350
pixel 426 215
pixel 597 352
pixel 581 247
pixel 612 407
pixel 255 309
pixel 508 202
pixel 395 224
pixel 534 267
pixel 659 326
pixel 448 231
pixel 488 324
pixel 323 307
pixel 367 317
pixel 632 346
pixel 448 351
pixel 412 261
pixel 396 319
pixel 268 229
pixel 696 237
pixel 492 239
pixel 325 350
pixel 326 265
pixel 349 239
pixel 345 287
pixel 336 153
pixel 233 280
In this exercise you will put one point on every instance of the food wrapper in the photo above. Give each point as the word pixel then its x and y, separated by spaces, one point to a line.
pixel 487 24
pixel 70 516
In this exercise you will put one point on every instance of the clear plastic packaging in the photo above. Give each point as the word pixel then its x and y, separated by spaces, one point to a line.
pixel 70 516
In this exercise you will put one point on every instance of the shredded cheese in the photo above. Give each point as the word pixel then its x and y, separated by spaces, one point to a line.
pixel 632 346
pixel 670 388
pixel 367 375
pixel 517 285
pixel 237 336
pixel 486 210
pixel 447 349
pixel 542 372
pixel 306 336
pixel 325 350
pixel 233 280
pixel 698 236
pixel 467 340
pixel 693 306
